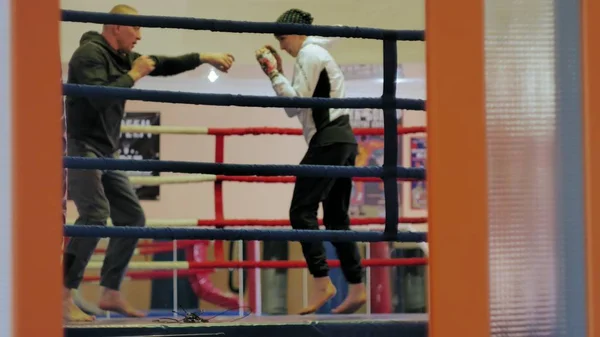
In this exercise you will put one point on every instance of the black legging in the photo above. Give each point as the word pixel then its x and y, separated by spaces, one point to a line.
pixel 335 195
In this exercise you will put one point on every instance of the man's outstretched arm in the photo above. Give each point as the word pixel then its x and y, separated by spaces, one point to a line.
pixel 174 65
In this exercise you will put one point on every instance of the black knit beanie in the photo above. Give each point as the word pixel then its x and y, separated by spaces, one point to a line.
pixel 295 16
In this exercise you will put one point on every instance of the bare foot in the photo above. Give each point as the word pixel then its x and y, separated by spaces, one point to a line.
pixel 85 306
pixel 111 300
pixel 323 291
pixel 71 312
pixel 357 296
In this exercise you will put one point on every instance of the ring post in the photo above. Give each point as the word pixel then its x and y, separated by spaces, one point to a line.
pixel 390 137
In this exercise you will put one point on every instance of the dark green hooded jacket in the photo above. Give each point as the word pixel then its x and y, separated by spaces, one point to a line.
pixel 96 122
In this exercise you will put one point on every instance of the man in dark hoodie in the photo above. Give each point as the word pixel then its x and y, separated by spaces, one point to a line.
pixel 93 130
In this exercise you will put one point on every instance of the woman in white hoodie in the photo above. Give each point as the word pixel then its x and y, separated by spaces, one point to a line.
pixel 330 142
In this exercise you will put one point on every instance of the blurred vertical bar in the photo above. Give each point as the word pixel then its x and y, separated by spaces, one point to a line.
pixel 569 161
pixel 534 126
pixel 457 169
pixel 6 166
pixel 521 140
pixel 36 168
pixel 590 26
pixel 390 137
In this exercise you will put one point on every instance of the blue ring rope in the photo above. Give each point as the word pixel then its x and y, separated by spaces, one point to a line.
pixel 240 26
pixel 388 102
pixel 179 97
pixel 240 169
pixel 174 233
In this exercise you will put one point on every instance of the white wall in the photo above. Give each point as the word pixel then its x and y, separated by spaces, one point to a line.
pixel 397 14
pixel 246 200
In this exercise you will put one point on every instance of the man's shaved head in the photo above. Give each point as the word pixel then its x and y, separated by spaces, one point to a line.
pixel 123 9
pixel 120 37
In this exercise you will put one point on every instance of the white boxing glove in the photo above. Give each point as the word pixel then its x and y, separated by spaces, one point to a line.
pixel 268 62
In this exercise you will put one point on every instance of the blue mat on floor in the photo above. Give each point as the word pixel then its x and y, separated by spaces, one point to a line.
pixel 405 325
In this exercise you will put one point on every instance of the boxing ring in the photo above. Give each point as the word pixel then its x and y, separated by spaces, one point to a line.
pixel 197 269
pixel 194 233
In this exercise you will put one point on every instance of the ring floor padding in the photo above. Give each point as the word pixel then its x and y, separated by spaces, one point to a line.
pixel 405 325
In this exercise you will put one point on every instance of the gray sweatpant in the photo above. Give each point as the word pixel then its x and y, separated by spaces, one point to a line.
pixel 99 195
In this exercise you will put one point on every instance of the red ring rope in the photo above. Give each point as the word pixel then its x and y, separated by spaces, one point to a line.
pixel 149 248
pixel 289 131
pixel 200 267
pixel 279 223
pixel 302 264
pixel 286 179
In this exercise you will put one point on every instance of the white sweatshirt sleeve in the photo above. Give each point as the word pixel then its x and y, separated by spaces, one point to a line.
pixel 307 70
